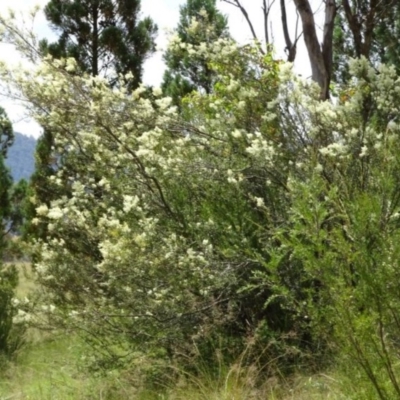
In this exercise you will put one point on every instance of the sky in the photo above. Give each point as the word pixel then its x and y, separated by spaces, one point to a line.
pixel 166 14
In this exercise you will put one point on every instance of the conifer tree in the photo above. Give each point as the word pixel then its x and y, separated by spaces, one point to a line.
pixel 6 139
pixel 105 37
pixel 9 275
pixel 5 185
pixel 6 133
pixel 200 22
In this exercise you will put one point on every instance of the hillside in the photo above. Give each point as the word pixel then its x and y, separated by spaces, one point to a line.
pixel 21 159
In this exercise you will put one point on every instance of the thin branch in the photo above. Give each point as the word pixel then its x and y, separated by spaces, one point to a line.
pixel 265 12
pixel 290 48
pixel 327 43
pixel 236 3
pixel 266 7
pixel 297 36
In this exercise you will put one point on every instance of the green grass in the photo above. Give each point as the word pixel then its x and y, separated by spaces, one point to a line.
pixel 26 283
pixel 50 370
pixel 51 367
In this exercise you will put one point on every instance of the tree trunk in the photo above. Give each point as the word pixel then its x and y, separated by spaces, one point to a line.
pixel 95 40
pixel 320 55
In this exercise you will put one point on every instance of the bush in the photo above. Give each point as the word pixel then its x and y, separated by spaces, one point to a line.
pixel 259 214
pixel 11 335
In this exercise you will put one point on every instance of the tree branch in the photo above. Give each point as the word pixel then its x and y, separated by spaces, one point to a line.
pixel 355 27
pixel 236 3
pixel 327 42
pixel 320 58
pixel 290 47
pixel 266 7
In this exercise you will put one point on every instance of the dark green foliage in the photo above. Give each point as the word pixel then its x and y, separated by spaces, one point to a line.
pixel 185 72
pixel 6 133
pixel 10 334
pixel 105 37
pixel 18 199
pixel 387 34
pixel 6 139
pixel 5 207
pixel 8 275
pixel 40 188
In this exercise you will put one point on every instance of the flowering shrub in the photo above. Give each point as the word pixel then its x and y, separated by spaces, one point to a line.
pixel 259 212
pixel 149 247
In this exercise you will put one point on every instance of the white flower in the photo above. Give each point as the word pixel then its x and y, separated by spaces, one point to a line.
pixel 259 201
pixel 319 168
pixel 157 92
pixel 364 151
pixel 21 317
pixel 334 149
pixel 42 210
pixel 164 103
pixel 377 145
pixel 71 65
pixel 55 213
pixel 130 202
pixel 392 125
pixel 236 133
pixel 203 12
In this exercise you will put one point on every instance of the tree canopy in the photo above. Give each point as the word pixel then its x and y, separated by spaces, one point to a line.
pixel 105 37
pixel 200 22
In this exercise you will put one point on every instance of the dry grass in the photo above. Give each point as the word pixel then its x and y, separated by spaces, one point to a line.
pixel 240 384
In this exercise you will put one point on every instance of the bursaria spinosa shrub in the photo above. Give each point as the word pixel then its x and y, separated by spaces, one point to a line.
pixel 258 213
pixel 159 229
pixel 163 226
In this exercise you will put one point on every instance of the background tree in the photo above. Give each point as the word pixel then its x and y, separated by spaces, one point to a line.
pixel 8 274
pixel 351 29
pixel 187 70
pixel 40 188
pixel 319 52
pixel 105 37
pixel 6 133
pixel 368 29
pixel 6 139
pixel 5 207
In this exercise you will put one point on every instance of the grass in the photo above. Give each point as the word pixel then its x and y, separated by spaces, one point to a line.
pixel 240 383
pixel 52 370
pixel 50 367
pixel 26 283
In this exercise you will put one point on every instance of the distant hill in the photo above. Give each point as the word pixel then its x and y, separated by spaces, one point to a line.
pixel 21 157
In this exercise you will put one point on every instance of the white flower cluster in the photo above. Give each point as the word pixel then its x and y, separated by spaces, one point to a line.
pixel 261 147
